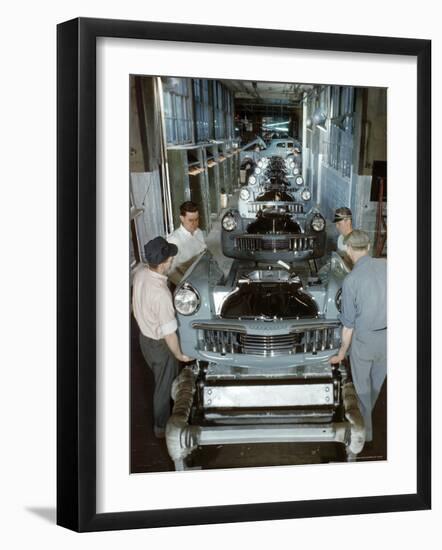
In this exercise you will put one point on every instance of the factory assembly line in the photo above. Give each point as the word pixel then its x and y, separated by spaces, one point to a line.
pixel 263 334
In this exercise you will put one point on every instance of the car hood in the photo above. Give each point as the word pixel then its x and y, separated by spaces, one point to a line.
pixel 275 195
pixel 276 223
pixel 269 301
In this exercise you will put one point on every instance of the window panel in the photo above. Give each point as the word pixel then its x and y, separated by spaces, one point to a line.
pixel 201 88
pixel 177 110
pixel 339 149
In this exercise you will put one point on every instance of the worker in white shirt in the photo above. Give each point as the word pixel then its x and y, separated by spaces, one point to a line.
pixel 189 239
pixel 343 221
pixel 153 309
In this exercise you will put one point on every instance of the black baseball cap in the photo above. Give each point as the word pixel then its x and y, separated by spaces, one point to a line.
pixel 342 214
pixel 158 250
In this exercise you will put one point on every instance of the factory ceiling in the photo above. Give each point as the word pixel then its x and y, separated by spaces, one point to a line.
pixel 268 93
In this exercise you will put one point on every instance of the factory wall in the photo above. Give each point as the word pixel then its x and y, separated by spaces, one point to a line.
pixel 145 182
pixel 339 152
pixel 181 134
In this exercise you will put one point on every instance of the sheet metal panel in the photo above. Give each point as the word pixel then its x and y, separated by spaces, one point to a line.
pixel 268 395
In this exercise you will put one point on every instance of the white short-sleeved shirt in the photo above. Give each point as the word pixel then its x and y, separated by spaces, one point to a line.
pixel 152 304
pixel 340 245
pixel 189 247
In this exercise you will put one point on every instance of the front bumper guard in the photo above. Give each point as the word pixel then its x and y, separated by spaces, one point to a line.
pixel 182 438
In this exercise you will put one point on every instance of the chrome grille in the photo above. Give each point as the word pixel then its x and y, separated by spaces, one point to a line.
pixel 302 243
pixel 246 243
pixel 298 340
pixel 298 243
pixel 292 207
pixel 220 341
pixel 270 243
pixel 269 345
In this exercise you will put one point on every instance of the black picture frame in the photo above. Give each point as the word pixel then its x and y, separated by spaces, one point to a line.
pixel 76 274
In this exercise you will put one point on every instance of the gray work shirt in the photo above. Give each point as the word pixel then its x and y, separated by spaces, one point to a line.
pixel 364 296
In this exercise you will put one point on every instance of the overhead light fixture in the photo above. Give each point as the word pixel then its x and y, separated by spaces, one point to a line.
pixel 276 123
pixel 280 128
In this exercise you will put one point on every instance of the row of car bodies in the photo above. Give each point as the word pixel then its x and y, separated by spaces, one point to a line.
pixel 274 218
pixel 258 149
pixel 263 333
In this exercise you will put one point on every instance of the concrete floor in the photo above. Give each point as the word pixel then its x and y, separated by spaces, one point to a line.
pixel 149 454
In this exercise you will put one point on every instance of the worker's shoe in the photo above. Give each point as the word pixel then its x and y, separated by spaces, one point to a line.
pixel 160 433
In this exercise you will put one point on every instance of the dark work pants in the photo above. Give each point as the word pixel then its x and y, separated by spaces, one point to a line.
pixel 164 367
pixel 368 357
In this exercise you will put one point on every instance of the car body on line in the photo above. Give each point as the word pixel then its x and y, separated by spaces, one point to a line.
pixel 262 338
pixel 257 149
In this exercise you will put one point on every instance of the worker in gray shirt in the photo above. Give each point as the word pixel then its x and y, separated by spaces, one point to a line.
pixel 364 323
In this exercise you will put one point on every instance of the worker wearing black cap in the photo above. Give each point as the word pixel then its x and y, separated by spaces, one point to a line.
pixel 153 309
pixel 344 224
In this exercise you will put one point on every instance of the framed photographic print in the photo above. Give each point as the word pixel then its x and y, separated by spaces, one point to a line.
pixel 222 192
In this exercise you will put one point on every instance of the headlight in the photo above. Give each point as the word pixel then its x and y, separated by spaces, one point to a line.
pixel 338 300
pixel 257 171
pixel 244 194
pixel 252 180
pixel 299 180
pixel 338 266
pixel 186 300
pixel 260 163
pixel 306 195
pixel 318 223
pixel 229 222
pixel 296 172
pixel 291 164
